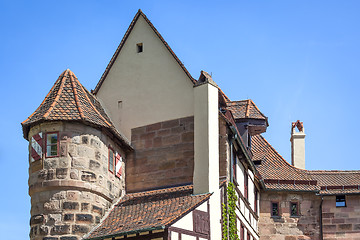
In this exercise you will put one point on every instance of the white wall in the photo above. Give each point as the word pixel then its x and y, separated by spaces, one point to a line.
pixel 151 85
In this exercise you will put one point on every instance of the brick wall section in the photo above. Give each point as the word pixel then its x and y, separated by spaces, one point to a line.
pixel 71 193
pixel 341 222
pixel 306 226
pixel 224 154
pixel 163 156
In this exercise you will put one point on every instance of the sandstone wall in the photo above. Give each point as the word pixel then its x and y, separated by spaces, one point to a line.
pixel 70 193
pixel 163 156
pixel 341 222
pixel 224 153
pixel 285 227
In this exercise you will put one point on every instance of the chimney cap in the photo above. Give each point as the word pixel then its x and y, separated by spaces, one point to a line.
pixel 298 124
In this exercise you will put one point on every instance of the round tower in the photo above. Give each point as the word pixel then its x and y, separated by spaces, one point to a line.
pixel 76 167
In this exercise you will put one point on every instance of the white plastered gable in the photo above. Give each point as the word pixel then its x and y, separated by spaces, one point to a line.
pixel 141 88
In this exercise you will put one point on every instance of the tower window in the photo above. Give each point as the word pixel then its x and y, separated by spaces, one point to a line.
pixel 139 47
pixel 111 159
pixel 275 209
pixel 294 209
pixel 340 201
pixel 52 144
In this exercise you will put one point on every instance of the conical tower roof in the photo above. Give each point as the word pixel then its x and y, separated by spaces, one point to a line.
pixel 68 100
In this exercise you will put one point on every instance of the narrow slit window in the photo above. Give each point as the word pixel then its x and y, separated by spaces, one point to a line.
pixel 340 201
pixel 275 209
pixel 294 209
pixel 111 159
pixel 139 47
pixel 52 148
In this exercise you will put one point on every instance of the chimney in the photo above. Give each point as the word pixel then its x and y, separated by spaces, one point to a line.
pixel 298 145
pixel 206 135
pixel 206 147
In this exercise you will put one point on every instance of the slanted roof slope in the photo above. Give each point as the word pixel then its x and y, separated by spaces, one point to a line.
pixel 150 210
pixel 68 100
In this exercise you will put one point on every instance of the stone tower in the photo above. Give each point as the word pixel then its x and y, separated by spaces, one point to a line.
pixel 76 162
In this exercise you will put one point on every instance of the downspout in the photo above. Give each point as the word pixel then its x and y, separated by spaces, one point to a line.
pixel 321 219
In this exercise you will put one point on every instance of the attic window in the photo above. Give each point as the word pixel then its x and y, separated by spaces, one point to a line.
pixel 340 201
pixel 139 47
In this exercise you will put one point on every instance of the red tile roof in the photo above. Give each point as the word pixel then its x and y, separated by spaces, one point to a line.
pixel 245 109
pixel 113 59
pixel 278 174
pixel 68 100
pixel 150 210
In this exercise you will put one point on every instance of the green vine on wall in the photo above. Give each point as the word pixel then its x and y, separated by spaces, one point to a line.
pixel 229 215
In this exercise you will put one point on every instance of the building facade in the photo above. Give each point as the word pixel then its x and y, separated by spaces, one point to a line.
pixel 152 153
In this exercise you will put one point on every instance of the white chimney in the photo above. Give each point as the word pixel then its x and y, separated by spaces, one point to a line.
pixel 298 144
pixel 206 147
pixel 206 135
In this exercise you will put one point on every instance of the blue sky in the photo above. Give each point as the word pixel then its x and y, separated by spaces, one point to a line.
pixel 294 59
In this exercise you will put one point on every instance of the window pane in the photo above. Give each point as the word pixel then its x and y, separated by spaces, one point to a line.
pixel 294 209
pixel 111 160
pixel 340 201
pixel 52 138
pixel 275 209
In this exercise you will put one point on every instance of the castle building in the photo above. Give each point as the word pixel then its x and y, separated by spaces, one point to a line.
pixel 152 153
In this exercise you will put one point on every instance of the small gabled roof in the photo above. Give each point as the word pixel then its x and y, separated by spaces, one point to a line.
pixel 114 57
pixel 245 109
pixel 68 100
pixel 146 211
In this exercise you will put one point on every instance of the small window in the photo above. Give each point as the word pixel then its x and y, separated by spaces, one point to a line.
pixel 246 184
pixel 52 144
pixel 111 159
pixel 340 201
pixel 139 47
pixel 256 201
pixel 294 209
pixel 275 209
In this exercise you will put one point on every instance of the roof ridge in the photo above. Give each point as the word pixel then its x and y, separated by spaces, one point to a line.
pixel 92 105
pixel 123 40
pixel 62 83
pixel 247 108
pixel 76 95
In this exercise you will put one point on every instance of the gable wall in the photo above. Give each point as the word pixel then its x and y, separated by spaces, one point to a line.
pixel 151 85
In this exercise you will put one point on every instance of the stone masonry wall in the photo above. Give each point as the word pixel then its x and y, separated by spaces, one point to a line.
pixel 341 222
pixel 70 193
pixel 163 156
pixel 224 154
pixel 285 227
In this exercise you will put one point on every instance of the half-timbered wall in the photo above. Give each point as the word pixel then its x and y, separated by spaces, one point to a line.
pixel 193 226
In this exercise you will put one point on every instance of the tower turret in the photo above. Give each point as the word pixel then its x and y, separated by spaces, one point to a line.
pixel 76 162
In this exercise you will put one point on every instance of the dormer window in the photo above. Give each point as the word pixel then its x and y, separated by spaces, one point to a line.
pixel 52 144
pixel 139 47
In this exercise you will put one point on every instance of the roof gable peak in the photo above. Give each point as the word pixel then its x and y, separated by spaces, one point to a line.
pixel 122 43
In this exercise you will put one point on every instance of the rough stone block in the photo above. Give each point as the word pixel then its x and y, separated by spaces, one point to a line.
pixel 80 229
pixel 68 217
pixel 61 173
pixel 50 238
pixel 60 230
pixel 84 218
pixel 84 206
pixel 52 206
pixel 71 206
pixel 93 165
pixel 69 238
pixel 88 176
pixel 36 219
pixel 97 209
